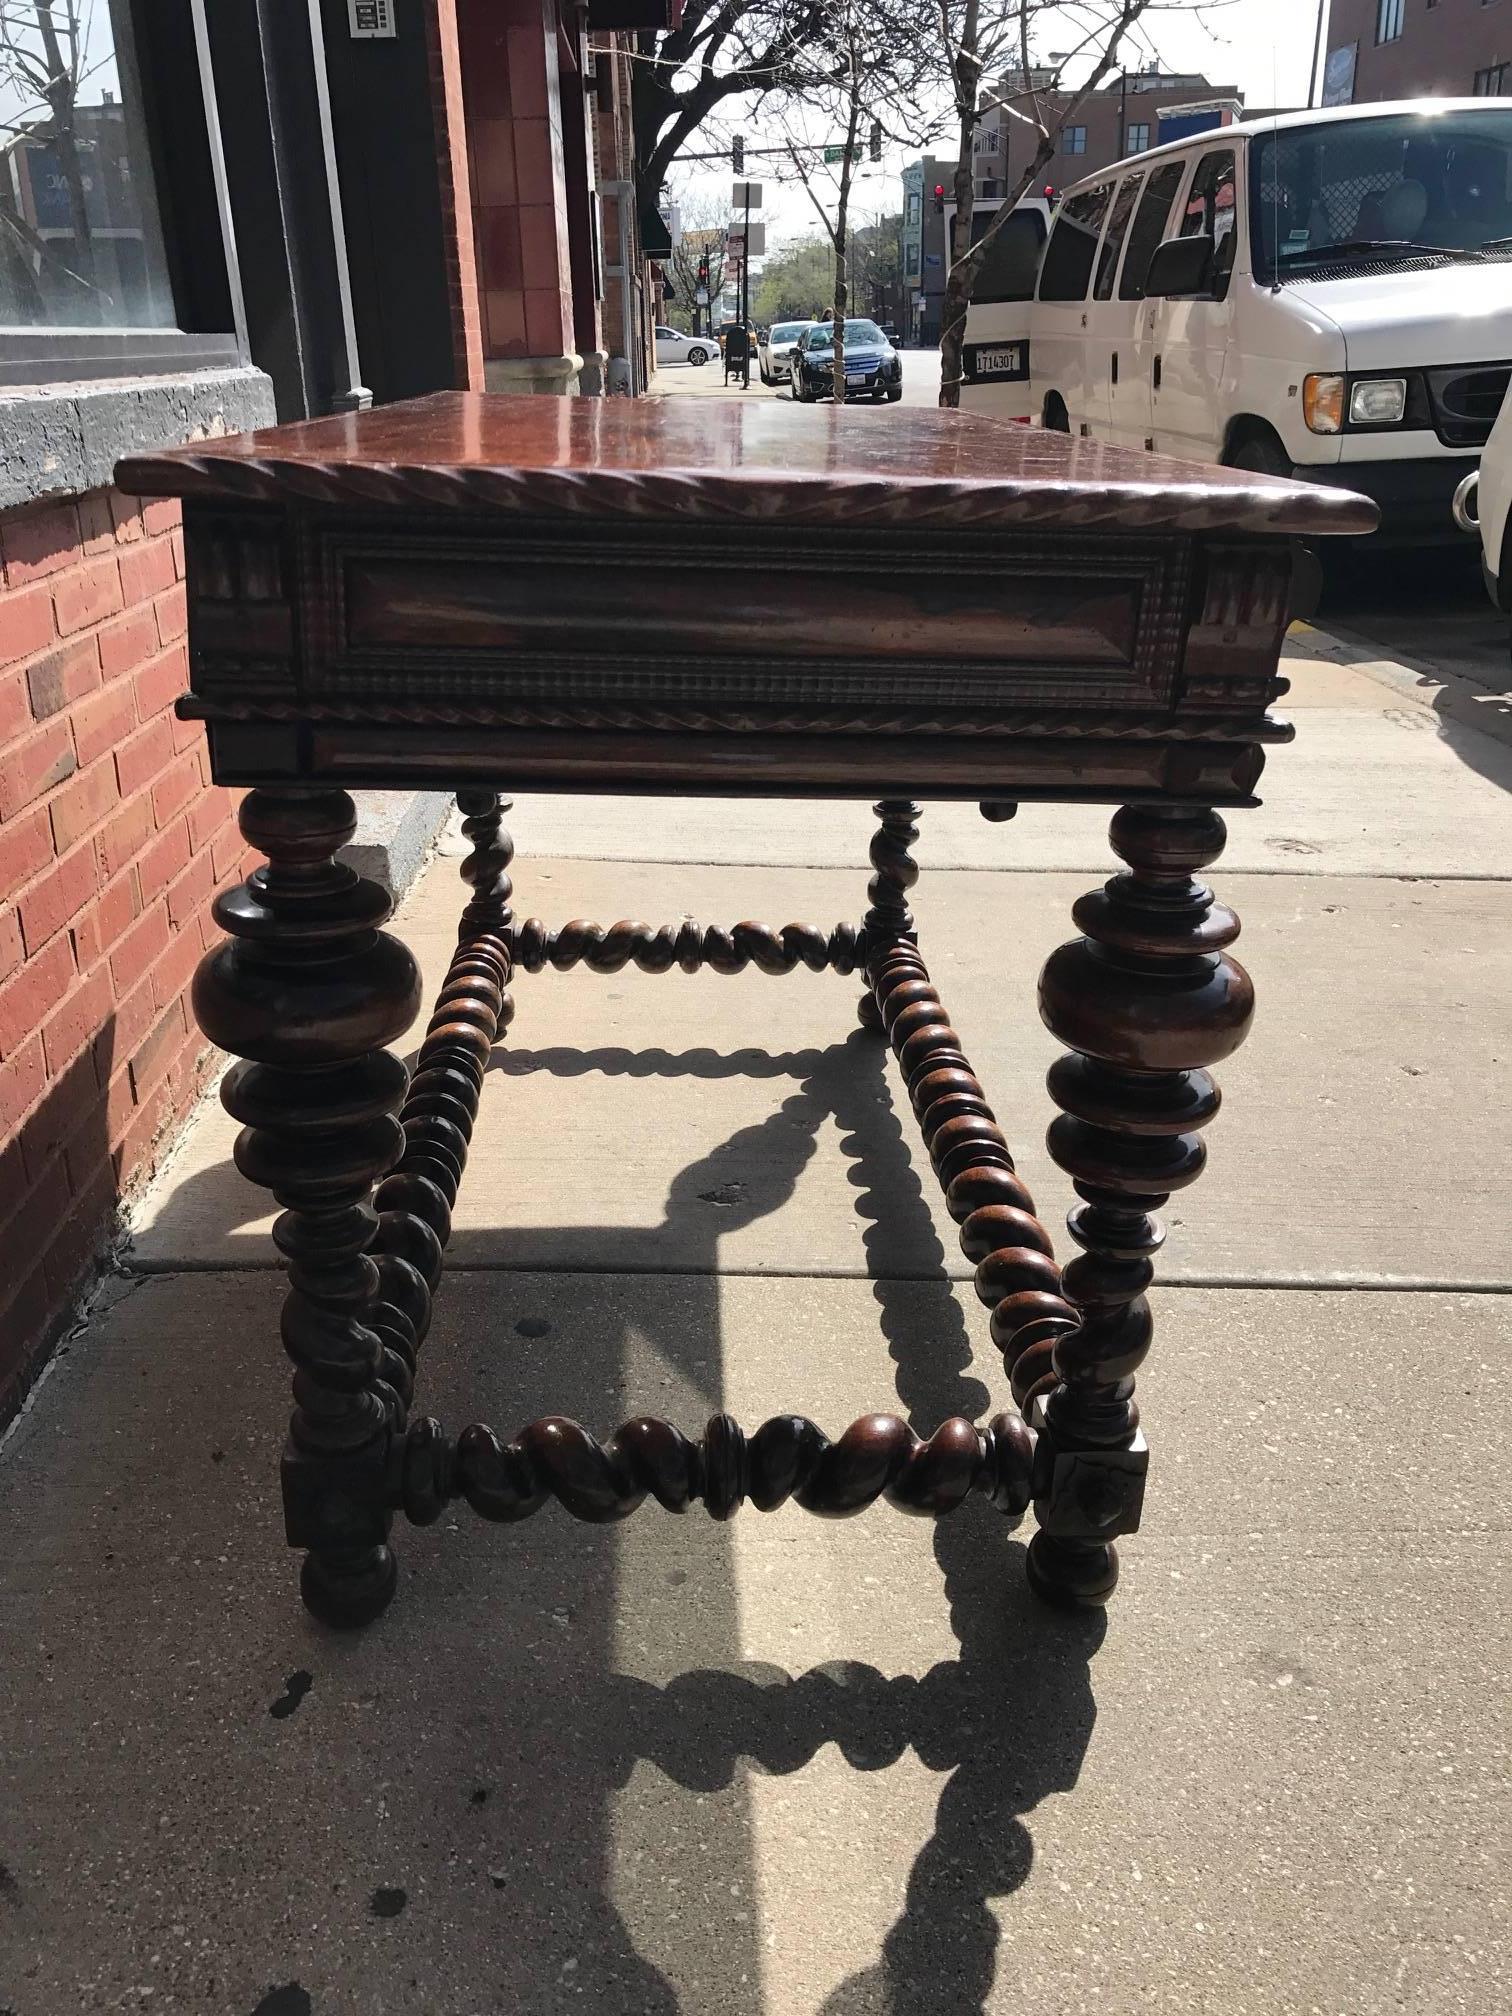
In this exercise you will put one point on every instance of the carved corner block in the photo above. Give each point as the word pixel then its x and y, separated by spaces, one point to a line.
pixel 336 1503
pixel 1090 1494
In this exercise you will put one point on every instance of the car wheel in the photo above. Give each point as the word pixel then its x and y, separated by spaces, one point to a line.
pixel 895 393
pixel 697 356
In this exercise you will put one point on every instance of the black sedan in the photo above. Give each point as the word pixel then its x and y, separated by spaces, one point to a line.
pixel 873 369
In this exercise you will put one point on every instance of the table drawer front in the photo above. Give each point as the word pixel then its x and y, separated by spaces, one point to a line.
pixel 742 622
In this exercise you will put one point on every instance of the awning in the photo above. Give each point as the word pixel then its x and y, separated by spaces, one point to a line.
pixel 656 239
pixel 634 14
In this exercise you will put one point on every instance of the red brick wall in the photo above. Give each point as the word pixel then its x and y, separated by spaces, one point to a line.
pixel 112 842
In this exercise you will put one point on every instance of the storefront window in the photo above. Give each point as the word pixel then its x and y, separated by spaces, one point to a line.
pixel 80 241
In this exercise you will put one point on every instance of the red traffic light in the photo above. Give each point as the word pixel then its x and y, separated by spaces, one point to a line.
pixel 939 195
pixel 1049 190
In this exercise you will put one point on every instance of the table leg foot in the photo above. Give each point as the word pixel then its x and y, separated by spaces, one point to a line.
pixel 347 1591
pixel 1072 1574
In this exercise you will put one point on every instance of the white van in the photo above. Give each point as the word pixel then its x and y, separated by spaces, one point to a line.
pixel 995 354
pixel 1324 294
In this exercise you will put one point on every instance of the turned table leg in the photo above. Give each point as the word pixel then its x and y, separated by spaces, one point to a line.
pixel 889 921
pixel 308 992
pixel 1146 999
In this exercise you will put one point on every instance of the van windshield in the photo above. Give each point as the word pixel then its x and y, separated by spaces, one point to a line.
pixel 1329 198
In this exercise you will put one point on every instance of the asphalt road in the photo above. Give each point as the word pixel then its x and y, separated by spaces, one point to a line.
pixel 921 381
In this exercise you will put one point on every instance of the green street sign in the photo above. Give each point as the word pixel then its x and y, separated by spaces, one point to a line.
pixel 832 154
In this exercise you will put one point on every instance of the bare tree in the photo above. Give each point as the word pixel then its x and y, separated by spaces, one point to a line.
pixel 976 37
pixel 702 241
pixel 720 49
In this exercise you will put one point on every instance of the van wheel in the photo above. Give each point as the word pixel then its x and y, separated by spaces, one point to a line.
pixel 1057 420
pixel 1260 451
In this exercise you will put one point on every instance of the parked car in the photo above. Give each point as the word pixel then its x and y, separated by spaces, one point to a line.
pixel 776 353
pixel 873 369
pixel 1483 508
pixel 1323 295
pixel 673 347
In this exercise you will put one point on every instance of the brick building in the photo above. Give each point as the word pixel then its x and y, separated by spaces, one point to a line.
pixel 258 213
pixel 1379 49
pixel 1125 116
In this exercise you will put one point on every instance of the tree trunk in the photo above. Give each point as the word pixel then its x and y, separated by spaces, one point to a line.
pixel 968 75
pixel 842 227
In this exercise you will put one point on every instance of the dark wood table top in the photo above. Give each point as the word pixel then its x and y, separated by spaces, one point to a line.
pixel 762 460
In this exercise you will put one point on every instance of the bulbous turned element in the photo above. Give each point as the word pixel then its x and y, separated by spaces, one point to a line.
pixel 1146 999
pixel 689 945
pixel 878 1456
pixel 307 991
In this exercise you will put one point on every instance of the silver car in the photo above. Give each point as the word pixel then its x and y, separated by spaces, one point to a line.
pixel 776 353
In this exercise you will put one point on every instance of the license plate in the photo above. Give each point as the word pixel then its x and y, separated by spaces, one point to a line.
pixel 855 377
pixel 1008 357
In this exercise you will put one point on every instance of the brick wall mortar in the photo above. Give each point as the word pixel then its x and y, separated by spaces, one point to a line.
pixel 112 843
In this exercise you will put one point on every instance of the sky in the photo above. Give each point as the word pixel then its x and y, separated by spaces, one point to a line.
pixel 1262 46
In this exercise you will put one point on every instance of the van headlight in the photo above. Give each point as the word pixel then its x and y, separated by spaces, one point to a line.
pixel 1377 402
pixel 1323 402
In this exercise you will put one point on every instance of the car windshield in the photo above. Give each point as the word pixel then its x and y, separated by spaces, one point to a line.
pixel 1356 190
pixel 858 332
pixel 787 332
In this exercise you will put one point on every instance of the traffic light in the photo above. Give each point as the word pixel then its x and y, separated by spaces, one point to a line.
pixel 874 144
pixel 940 198
pixel 737 153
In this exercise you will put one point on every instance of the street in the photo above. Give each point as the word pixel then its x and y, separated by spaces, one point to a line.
pixel 921 381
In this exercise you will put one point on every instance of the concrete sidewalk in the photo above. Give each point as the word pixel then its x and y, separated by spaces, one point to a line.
pixel 782 1767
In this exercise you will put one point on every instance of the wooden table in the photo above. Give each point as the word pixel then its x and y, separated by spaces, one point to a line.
pixel 739 600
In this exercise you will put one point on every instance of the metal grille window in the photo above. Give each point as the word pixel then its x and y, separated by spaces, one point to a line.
pixel 1074 140
pixel 1389 17
pixel 1138 138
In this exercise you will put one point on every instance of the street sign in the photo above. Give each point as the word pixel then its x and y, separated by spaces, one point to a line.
pixel 746 196
pixel 836 153
pixel 701 296
pixel 736 246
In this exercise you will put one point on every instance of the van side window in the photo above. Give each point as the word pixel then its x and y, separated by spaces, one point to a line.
pixel 1012 259
pixel 1210 212
pixel 1073 244
pixel 1113 237
pixel 1149 229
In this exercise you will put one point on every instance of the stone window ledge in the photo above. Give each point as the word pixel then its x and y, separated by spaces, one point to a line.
pixel 68 438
